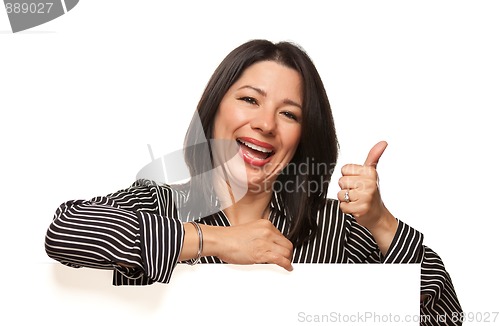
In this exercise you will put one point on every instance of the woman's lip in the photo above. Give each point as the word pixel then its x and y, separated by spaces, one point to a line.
pixel 257 142
pixel 254 161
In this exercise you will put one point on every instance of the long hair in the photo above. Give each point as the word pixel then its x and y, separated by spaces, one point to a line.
pixel 318 145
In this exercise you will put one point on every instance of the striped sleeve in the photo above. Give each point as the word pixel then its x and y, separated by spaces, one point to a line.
pixel 161 240
pixel 440 299
pixel 88 234
pixel 131 228
pixel 407 247
pixel 360 244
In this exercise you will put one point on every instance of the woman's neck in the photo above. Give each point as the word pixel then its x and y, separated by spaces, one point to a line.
pixel 251 207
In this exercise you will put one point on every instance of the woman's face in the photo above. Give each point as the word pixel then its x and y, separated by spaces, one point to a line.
pixel 261 114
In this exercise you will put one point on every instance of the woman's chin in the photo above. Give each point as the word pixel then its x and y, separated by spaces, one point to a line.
pixel 246 178
pixel 259 183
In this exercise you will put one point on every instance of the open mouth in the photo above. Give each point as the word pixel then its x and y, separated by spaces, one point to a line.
pixel 253 153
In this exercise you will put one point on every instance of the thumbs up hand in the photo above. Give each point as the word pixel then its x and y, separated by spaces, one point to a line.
pixel 375 154
pixel 360 197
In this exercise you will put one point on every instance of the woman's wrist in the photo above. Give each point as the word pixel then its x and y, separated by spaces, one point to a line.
pixel 211 240
pixel 384 231
pixel 191 244
pixel 199 233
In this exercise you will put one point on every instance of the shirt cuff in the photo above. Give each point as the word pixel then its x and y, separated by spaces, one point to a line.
pixel 406 247
pixel 161 242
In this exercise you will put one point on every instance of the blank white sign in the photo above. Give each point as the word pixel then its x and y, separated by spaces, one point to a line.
pixel 313 294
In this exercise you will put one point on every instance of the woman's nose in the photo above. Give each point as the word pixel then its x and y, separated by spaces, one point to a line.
pixel 264 121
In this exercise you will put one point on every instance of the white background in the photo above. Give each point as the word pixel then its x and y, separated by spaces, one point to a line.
pixel 83 95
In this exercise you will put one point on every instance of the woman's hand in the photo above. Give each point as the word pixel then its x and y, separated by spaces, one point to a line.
pixel 256 242
pixel 363 199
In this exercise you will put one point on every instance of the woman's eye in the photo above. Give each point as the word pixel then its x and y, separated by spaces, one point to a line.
pixel 248 99
pixel 290 115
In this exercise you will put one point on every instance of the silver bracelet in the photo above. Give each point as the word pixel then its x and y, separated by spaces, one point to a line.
pixel 200 246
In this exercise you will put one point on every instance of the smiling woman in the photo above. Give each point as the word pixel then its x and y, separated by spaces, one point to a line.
pixel 271 131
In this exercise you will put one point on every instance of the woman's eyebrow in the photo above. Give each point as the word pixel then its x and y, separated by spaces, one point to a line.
pixel 290 102
pixel 263 93
pixel 258 90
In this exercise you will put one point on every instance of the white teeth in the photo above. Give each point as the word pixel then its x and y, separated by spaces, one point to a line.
pixel 256 147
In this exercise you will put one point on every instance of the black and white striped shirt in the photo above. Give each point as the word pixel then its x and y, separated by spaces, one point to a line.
pixel 139 226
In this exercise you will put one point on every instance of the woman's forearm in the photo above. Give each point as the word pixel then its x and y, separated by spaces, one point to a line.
pixel 384 231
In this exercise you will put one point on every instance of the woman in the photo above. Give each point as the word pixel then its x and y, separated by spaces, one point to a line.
pixel 257 192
